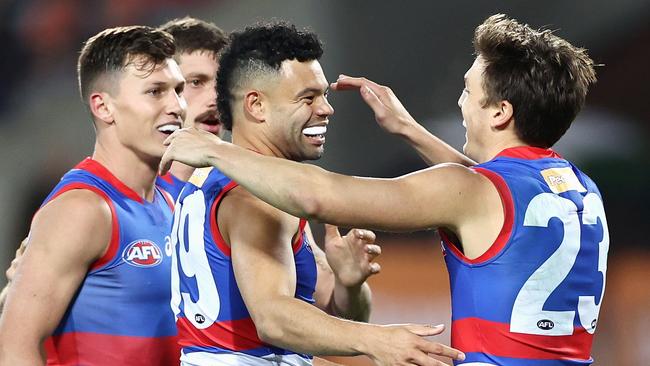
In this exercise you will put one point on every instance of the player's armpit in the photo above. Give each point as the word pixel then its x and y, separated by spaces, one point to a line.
pixel 67 236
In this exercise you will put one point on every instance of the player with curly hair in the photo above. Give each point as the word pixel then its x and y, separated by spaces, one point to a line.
pixel 246 274
pixel 524 232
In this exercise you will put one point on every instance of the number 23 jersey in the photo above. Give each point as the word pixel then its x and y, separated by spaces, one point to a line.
pixel 533 298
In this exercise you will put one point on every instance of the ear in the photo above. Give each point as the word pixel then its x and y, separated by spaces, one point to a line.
pixel 501 115
pixel 254 105
pixel 100 107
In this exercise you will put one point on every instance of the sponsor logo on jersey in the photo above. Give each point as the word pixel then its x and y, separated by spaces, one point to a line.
pixel 199 176
pixel 142 253
pixel 562 180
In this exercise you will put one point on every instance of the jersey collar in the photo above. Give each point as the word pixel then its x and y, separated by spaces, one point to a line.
pixel 528 153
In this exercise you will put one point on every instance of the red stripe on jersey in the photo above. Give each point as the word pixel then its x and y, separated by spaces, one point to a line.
pixel 508 221
pixel 94 167
pixel 483 336
pixel 214 226
pixel 529 153
pixel 79 348
pixel 235 335
pixel 114 242
pixel 168 198
pixel 301 232
pixel 167 178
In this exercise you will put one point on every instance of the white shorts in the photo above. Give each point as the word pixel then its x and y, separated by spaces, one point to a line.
pixel 241 359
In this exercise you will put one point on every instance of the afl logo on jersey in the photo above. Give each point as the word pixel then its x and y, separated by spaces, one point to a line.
pixel 142 253
pixel 545 324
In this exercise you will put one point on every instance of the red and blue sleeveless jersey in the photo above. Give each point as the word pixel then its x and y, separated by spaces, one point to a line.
pixel 170 184
pixel 120 315
pixel 534 297
pixel 211 316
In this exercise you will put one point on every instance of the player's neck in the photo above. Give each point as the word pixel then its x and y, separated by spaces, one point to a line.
pixel 181 171
pixel 254 143
pixel 129 168
pixel 495 147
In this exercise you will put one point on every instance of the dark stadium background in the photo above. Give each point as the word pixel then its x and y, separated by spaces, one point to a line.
pixel 421 49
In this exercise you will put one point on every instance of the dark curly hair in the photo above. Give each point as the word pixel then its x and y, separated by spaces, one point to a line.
pixel 543 76
pixel 113 49
pixel 260 48
pixel 191 34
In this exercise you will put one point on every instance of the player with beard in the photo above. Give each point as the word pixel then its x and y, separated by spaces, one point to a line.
pixel 198 44
pixel 245 273
pixel 524 231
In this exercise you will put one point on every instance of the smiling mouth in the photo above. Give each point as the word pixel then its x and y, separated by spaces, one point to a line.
pixel 168 129
pixel 316 133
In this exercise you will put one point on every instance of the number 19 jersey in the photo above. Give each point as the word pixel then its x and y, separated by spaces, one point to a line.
pixel 533 298
pixel 213 322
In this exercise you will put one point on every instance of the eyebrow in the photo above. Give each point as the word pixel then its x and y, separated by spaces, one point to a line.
pixel 200 75
pixel 165 83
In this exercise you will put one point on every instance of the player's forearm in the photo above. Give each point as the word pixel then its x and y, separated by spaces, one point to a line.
pixel 18 350
pixel 293 324
pixel 352 303
pixel 432 149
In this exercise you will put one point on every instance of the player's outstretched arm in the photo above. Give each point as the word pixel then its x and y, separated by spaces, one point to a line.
pixel 391 115
pixel 444 195
pixel 343 269
pixel 260 234
pixel 66 237
pixel 10 273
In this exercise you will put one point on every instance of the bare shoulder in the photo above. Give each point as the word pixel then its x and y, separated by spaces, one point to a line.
pixel 246 216
pixel 76 221
pixel 450 177
pixel 242 205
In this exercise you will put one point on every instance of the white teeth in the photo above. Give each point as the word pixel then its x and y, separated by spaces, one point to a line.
pixel 168 128
pixel 315 130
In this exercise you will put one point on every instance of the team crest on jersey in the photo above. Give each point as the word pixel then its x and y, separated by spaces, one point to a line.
pixel 142 253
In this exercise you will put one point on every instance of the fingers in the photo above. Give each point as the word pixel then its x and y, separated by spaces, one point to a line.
pixel 442 350
pixel 345 82
pixel 373 249
pixel 365 235
pixel 331 232
pixel 23 245
pixel 171 137
pixel 165 162
pixel 374 268
pixel 425 330
pixel 422 359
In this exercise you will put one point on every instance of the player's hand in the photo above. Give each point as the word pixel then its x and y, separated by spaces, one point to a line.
pixel 404 344
pixel 11 271
pixel 189 146
pixel 351 256
pixel 389 111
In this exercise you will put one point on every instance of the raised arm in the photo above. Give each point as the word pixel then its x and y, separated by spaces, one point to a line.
pixel 260 234
pixel 66 237
pixel 391 115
